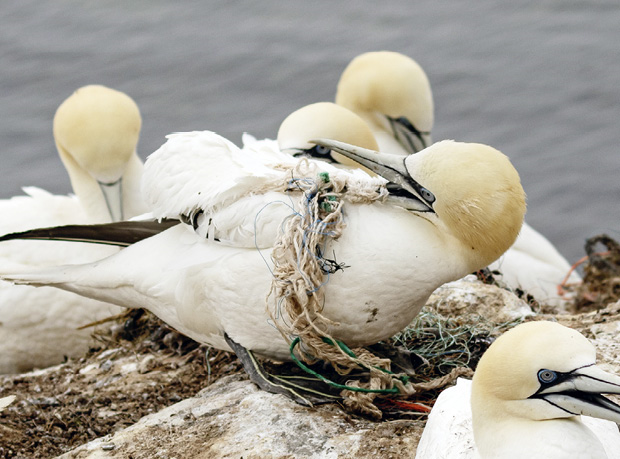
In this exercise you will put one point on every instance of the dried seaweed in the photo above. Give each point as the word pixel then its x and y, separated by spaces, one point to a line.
pixel 601 281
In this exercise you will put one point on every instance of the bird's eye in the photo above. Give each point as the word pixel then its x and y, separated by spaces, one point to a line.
pixel 427 195
pixel 547 376
pixel 320 150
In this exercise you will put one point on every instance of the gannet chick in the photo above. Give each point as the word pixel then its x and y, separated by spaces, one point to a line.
pixel 96 131
pixel 391 92
pixel 529 390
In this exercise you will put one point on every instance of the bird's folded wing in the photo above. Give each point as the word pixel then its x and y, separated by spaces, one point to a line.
pixel 200 171
pixel 118 233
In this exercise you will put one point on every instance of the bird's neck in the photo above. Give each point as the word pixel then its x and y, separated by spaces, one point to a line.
pixel 133 203
pixel 382 132
pixel 91 197
pixel 87 190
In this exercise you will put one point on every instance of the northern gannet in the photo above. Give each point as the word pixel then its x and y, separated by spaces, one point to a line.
pixel 326 120
pixel 96 131
pixel 209 277
pixel 532 396
pixel 391 92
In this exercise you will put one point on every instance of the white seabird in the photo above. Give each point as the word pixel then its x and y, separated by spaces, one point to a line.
pixel 391 92
pixel 208 278
pixel 535 266
pixel 533 395
pixel 318 118
pixel 96 131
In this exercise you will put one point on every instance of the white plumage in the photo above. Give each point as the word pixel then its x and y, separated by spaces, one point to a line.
pixel 96 131
pixel 208 286
pixel 448 433
pixel 516 415
pixel 387 89
pixel 534 265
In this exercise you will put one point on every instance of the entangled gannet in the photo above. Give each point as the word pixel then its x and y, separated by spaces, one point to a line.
pixel 391 92
pixel 96 131
pixel 209 277
pixel 527 395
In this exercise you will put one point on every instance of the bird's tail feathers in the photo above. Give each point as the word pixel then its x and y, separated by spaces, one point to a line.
pixel 37 277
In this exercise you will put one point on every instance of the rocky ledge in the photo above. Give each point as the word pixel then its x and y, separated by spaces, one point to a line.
pixel 142 401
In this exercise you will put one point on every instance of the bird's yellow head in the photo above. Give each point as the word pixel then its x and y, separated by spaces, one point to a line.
pixel 390 85
pixel 479 197
pixel 97 130
pixel 323 120
pixel 469 191
pixel 509 369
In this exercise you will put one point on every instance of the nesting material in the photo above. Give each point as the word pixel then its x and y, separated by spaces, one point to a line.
pixel 601 282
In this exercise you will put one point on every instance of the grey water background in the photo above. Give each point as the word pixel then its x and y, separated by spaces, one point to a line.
pixel 539 80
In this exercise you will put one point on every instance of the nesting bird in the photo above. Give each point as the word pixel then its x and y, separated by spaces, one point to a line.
pixel 530 396
pixel 96 131
pixel 452 208
pixel 327 120
pixel 392 94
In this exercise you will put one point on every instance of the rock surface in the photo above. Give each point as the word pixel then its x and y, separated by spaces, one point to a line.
pixel 232 418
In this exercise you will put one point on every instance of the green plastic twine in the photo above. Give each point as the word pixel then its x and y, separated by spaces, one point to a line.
pixel 349 352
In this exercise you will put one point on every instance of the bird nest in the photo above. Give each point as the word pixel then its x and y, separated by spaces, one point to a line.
pixel 141 366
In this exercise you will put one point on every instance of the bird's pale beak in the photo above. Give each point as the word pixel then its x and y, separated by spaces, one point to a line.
pixel 390 167
pixel 579 392
pixel 113 195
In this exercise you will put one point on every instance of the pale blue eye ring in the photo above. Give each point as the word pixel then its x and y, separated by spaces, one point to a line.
pixel 427 195
pixel 547 376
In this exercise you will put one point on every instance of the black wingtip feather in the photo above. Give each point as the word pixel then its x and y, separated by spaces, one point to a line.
pixel 120 234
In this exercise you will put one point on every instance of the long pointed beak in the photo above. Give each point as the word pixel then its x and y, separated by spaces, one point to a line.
pixel 390 167
pixel 580 393
pixel 113 195
pixel 408 135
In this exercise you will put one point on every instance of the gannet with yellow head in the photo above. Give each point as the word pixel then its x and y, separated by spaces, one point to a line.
pixel 391 92
pixel 454 208
pixel 324 120
pixel 96 131
pixel 530 389
pixel 533 395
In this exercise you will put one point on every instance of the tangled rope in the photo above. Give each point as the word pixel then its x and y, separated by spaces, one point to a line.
pixel 299 277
